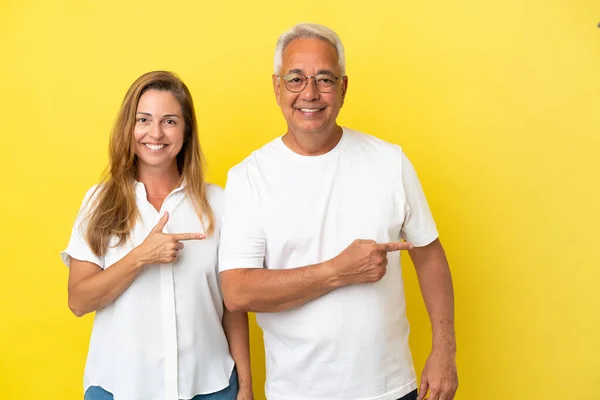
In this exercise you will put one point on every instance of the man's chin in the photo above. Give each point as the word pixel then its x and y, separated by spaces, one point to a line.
pixel 310 127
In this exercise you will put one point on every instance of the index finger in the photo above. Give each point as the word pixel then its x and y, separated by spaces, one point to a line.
pixel 161 223
pixel 395 246
pixel 187 236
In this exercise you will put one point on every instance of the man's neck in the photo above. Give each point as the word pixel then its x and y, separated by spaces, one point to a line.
pixel 313 143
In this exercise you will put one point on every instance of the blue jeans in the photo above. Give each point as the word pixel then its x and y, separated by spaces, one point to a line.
pixel 229 393
pixel 410 396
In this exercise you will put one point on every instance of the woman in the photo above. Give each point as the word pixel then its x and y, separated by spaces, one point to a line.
pixel 160 331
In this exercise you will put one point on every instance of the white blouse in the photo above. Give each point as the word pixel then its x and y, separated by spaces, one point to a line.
pixel 162 338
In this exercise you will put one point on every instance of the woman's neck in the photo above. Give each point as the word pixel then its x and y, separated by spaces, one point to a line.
pixel 159 182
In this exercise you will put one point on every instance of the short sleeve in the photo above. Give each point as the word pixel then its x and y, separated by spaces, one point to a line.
pixel 242 236
pixel 214 193
pixel 418 227
pixel 78 247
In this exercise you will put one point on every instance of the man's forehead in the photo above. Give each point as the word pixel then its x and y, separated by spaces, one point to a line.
pixel 309 45
pixel 310 53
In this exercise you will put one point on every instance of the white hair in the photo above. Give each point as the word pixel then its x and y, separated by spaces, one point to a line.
pixel 309 31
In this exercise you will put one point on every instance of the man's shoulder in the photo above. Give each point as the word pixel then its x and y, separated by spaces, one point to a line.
pixel 371 143
pixel 258 158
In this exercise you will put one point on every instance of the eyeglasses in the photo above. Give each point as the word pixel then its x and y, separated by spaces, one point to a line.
pixel 296 82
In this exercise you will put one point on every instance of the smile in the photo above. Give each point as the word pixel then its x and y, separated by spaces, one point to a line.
pixel 310 110
pixel 154 146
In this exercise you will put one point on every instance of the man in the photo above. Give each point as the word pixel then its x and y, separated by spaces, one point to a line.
pixel 312 221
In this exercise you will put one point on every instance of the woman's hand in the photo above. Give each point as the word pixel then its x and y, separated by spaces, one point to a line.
pixel 163 248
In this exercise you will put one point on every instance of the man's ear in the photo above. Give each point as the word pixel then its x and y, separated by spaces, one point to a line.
pixel 277 89
pixel 344 88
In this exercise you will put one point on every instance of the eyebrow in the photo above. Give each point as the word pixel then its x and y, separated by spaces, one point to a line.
pixel 325 72
pixel 319 72
pixel 164 116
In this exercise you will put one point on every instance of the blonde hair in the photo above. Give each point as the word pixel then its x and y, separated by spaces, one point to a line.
pixel 113 210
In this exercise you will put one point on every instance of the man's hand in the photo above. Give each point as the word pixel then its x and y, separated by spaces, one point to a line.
pixel 364 261
pixel 245 394
pixel 439 377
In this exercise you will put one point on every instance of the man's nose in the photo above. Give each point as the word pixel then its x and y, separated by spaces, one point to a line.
pixel 310 91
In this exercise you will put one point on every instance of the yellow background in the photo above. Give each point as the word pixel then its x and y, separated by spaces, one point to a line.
pixel 496 102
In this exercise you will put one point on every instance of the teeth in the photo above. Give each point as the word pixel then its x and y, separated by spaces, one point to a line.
pixel 154 146
pixel 309 109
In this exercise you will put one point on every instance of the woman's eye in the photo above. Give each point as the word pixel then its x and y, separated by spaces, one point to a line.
pixel 170 122
pixel 142 120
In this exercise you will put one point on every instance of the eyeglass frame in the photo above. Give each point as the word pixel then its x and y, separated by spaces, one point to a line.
pixel 336 78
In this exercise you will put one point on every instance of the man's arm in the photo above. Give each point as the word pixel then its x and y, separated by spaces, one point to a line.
pixel 264 290
pixel 439 375
pixel 235 326
pixel 272 290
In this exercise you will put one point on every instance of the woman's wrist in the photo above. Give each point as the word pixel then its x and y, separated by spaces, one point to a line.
pixel 137 258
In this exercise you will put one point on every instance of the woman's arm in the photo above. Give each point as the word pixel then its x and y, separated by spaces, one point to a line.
pixel 92 288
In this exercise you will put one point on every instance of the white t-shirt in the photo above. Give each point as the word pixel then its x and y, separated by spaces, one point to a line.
pixel 162 338
pixel 284 210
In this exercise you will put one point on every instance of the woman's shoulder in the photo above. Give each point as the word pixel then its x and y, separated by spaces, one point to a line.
pixel 215 197
pixel 90 195
pixel 214 191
